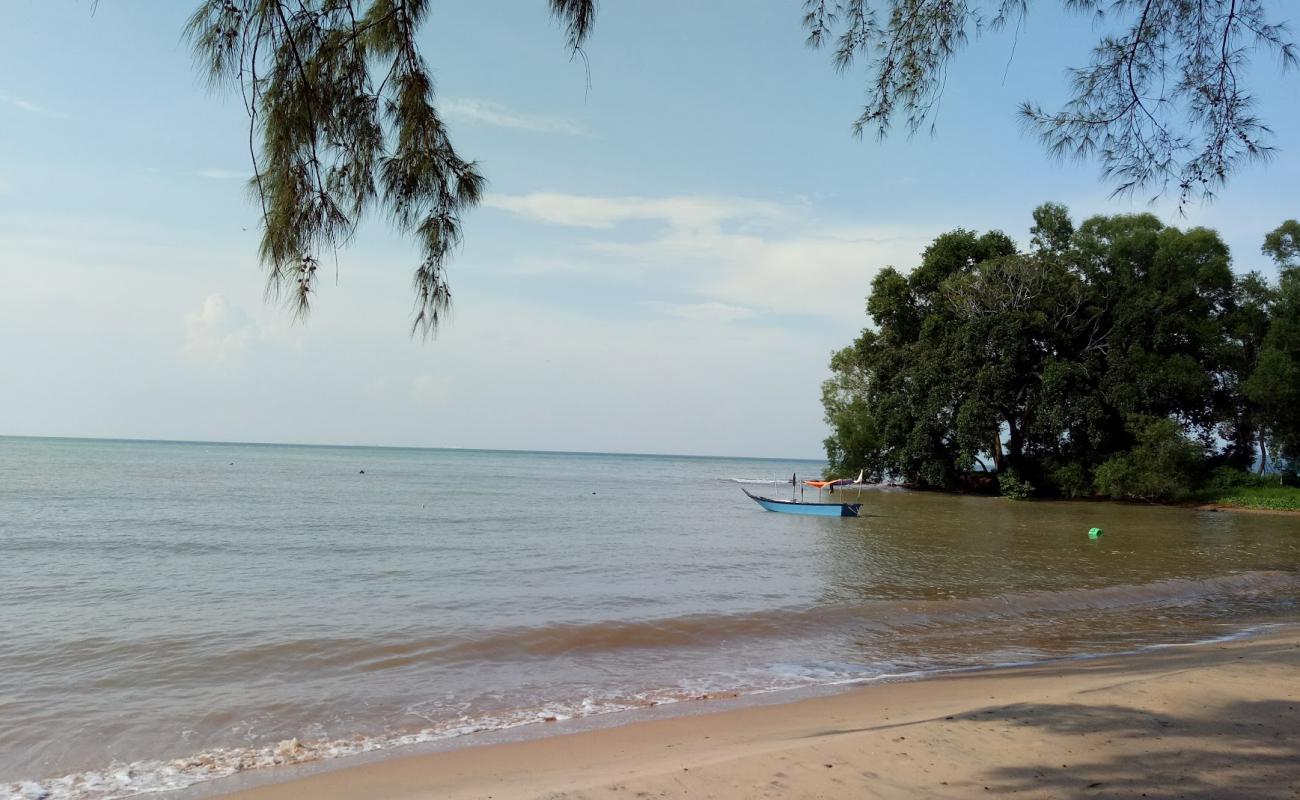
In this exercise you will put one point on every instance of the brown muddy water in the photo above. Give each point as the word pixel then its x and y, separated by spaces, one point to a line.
pixel 172 613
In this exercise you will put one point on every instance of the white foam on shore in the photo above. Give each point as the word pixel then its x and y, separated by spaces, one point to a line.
pixel 122 780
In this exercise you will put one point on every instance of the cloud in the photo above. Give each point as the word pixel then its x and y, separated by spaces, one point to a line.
pixel 652 383
pixel 27 106
pixel 701 312
pixel 683 211
pixel 739 256
pixel 219 174
pixel 817 271
pixel 218 332
pixel 490 113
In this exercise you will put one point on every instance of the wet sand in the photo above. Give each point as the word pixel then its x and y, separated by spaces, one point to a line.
pixel 1216 720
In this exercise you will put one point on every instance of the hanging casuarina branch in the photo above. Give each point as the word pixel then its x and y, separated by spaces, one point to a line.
pixel 1162 104
pixel 343 119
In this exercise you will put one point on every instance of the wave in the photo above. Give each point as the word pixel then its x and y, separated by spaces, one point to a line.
pixel 122 780
pixel 247 653
pixel 703 631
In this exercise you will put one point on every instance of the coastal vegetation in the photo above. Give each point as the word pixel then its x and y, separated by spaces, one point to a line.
pixel 344 120
pixel 1271 497
pixel 1120 358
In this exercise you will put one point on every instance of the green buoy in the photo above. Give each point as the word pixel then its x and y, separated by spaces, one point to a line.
pixel 1094 533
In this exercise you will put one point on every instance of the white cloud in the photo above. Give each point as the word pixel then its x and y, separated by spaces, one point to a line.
pixel 218 332
pixel 537 262
pixel 628 383
pixel 683 211
pixel 701 312
pixel 27 106
pixel 818 271
pixel 219 174
pixel 492 113
pixel 578 375
pixel 737 254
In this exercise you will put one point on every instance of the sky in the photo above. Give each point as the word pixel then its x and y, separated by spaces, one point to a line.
pixel 676 236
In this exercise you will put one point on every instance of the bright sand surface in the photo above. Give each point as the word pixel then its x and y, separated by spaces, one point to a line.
pixel 1213 720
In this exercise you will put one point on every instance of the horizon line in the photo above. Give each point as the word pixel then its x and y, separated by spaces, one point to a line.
pixel 230 443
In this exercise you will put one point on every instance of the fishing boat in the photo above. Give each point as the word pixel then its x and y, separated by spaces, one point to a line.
pixel 809 509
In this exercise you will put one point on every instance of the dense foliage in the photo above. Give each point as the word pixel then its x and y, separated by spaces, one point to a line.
pixel 1123 358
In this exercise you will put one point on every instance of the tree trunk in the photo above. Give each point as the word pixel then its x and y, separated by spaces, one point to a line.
pixel 1014 445
pixel 1240 453
pixel 997 450
pixel 1263 451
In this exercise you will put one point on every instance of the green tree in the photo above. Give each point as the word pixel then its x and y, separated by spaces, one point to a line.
pixel 1274 385
pixel 903 374
pixel 1010 316
pixel 1246 425
pixel 1052 362
pixel 1162 292
pixel 1282 244
pixel 854 443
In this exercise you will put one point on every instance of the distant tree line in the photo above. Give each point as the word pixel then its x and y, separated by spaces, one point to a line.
pixel 1122 358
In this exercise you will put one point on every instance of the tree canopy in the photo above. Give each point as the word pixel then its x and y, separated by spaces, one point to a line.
pixel 343 116
pixel 1274 384
pixel 1123 356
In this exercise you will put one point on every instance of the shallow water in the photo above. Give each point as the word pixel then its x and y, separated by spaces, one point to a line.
pixel 173 612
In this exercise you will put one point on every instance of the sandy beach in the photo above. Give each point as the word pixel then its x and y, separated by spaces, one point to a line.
pixel 1213 720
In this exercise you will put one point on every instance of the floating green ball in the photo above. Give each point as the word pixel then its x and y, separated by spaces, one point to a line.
pixel 1094 533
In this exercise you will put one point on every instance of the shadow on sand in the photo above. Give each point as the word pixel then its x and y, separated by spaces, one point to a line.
pixel 1238 750
pixel 1208 748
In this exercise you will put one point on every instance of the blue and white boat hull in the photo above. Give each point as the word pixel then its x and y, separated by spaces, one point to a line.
pixel 807 509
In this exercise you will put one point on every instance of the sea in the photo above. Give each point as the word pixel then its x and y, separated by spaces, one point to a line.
pixel 174 613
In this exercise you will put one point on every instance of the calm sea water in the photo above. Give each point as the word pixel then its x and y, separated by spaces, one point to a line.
pixel 174 612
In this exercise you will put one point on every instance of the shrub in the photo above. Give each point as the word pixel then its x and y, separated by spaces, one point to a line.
pixel 1071 480
pixel 1163 465
pixel 1117 476
pixel 1276 498
pixel 1010 484
pixel 1227 479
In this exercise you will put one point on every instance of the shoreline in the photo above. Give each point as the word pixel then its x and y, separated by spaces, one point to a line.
pixel 1191 505
pixel 1277 512
pixel 1234 704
